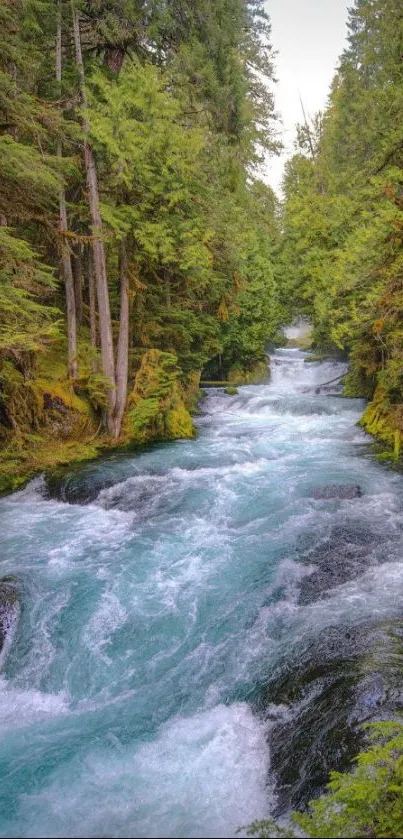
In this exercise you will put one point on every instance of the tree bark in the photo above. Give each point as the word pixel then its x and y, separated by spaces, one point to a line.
pixel 122 362
pixel 67 272
pixel 101 280
pixel 93 308
pixel 78 282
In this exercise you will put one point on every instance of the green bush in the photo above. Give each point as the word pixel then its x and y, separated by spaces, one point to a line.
pixel 367 802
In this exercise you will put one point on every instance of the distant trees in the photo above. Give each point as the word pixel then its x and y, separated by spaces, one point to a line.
pixel 342 252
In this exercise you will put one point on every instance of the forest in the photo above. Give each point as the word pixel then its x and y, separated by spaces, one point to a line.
pixel 342 219
pixel 137 238
pixel 143 255
pixel 141 248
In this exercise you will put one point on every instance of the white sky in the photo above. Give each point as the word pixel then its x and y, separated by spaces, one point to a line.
pixel 309 36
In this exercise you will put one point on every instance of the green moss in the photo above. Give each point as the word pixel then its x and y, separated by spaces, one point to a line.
pixel 49 424
pixel 62 390
pixel 191 390
pixel 384 422
pixel 10 483
pixel 47 453
pixel 178 422
pixel 231 390
pixel 53 425
pixel 157 408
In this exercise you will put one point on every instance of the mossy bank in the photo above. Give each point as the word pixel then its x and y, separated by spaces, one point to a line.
pixel 47 421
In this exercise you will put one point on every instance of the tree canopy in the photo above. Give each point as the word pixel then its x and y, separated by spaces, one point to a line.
pixel 132 215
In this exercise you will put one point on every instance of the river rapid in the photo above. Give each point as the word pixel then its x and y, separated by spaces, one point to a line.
pixel 203 625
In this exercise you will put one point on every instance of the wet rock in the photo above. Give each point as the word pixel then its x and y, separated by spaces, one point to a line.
pixel 316 703
pixel 336 491
pixel 9 607
pixel 76 486
pixel 344 556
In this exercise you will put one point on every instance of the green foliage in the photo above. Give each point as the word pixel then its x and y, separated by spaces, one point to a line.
pixel 25 323
pixel 157 408
pixel 342 245
pixel 202 248
pixel 269 829
pixel 181 111
pixel 364 802
pixel 96 385
pixel 367 802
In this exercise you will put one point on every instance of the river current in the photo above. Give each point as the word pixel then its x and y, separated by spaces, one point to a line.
pixel 162 592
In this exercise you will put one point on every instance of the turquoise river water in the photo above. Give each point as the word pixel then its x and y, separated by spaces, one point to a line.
pixel 159 593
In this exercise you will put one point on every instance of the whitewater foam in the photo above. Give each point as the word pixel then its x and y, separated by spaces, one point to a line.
pixel 213 765
pixel 151 612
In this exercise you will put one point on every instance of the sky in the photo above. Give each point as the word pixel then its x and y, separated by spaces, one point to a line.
pixel 309 36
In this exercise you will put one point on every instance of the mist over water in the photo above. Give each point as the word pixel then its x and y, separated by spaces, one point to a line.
pixel 161 591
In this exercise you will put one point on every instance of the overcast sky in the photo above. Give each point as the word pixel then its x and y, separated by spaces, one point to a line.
pixel 309 36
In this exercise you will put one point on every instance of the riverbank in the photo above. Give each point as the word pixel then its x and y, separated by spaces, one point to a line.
pixel 53 424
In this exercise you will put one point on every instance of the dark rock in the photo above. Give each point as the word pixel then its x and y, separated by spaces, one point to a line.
pixel 344 556
pixel 336 491
pixel 316 703
pixel 54 403
pixel 9 607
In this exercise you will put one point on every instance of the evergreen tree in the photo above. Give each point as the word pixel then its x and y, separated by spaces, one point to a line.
pixel 129 201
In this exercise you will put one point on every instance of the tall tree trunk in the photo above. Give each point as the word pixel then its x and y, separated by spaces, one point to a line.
pixel 122 362
pixel 101 280
pixel 78 281
pixel 63 227
pixel 93 308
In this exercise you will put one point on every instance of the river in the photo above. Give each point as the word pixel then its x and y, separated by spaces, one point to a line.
pixel 173 601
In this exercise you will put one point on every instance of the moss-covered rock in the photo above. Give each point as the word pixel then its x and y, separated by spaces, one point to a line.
pixel 231 390
pixel 384 421
pixel 191 390
pixel 44 422
pixel 156 406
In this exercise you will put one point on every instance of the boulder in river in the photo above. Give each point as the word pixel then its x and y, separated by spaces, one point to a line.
pixel 346 554
pixel 337 491
pixel 317 701
pixel 9 608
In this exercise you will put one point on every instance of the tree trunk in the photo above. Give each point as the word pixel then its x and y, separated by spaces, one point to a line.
pixel 101 280
pixel 93 307
pixel 122 362
pixel 78 282
pixel 67 272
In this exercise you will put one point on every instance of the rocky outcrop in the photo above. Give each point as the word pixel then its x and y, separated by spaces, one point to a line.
pixel 9 608
pixel 316 703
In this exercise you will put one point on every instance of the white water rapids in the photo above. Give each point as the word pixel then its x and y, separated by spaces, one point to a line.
pixel 161 590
